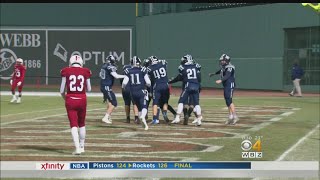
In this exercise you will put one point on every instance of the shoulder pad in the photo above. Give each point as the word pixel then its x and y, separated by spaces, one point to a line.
pixel 198 65
pixel 124 67
pixel 143 69
pixel 164 62
pixel 181 68
pixel 126 71
pixel 230 66
pixel 111 67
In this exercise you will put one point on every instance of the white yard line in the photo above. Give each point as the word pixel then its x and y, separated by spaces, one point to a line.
pixel 287 113
pixel 42 117
pixel 71 145
pixel 275 119
pixel 55 94
pixel 260 126
pixel 295 145
pixel 102 156
pixel 31 112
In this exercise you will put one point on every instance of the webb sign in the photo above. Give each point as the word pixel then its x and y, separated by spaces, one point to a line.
pixel 46 51
pixel 30 45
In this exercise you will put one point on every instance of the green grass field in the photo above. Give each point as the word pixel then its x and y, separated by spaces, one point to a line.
pixel 38 130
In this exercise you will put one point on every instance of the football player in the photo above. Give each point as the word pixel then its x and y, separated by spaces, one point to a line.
pixel 160 87
pixel 17 79
pixel 107 74
pixel 146 63
pixel 191 76
pixel 227 78
pixel 137 78
pixel 188 106
pixel 77 80
pixel 126 95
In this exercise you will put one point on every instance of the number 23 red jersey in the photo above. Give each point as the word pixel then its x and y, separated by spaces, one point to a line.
pixel 76 79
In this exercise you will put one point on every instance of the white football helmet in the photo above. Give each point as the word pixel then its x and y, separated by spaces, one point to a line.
pixel 135 61
pixel 224 59
pixel 153 59
pixel 76 59
pixel 19 60
pixel 187 59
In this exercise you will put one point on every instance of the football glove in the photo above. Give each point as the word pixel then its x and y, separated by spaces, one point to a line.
pixel 19 83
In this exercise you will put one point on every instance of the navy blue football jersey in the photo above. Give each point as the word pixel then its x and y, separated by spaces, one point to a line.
pixel 105 74
pixel 136 78
pixel 126 66
pixel 191 73
pixel 158 72
pixel 228 75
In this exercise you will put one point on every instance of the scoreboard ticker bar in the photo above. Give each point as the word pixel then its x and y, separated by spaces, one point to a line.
pixel 161 169
pixel 167 165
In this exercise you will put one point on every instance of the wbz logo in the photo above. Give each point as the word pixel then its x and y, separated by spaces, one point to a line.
pixel 251 151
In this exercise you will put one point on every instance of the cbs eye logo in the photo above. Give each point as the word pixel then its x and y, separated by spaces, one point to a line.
pixel 246 145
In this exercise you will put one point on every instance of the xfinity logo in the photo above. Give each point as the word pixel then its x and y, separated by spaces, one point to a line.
pixel 20 40
pixel 50 166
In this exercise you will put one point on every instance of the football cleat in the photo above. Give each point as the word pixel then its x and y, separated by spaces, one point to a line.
pixel 166 119
pixel 195 121
pixel 137 120
pixel 155 121
pixel 230 119
pixel 19 100
pixel 176 120
pixel 235 120
pixel 13 99
pixel 107 119
pixel 81 149
pixel 198 123
pixel 127 120
pixel 186 119
pixel 77 152
pixel 144 124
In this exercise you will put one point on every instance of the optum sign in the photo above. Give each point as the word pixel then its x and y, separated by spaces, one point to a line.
pixel 46 51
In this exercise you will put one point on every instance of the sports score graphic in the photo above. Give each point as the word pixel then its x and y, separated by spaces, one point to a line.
pixel 251 151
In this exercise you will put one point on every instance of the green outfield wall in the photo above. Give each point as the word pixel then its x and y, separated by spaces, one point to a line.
pixel 253 36
pixel 45 35
pixel 262 40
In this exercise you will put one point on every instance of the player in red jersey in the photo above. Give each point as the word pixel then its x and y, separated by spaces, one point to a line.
pixel 77 80
pixel 17 79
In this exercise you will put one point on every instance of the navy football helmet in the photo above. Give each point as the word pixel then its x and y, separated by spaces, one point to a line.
pixel 135 61
pixel 153 59
pixel 146 62
pixel 187 59
pixel 224 59
pixel 111 59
